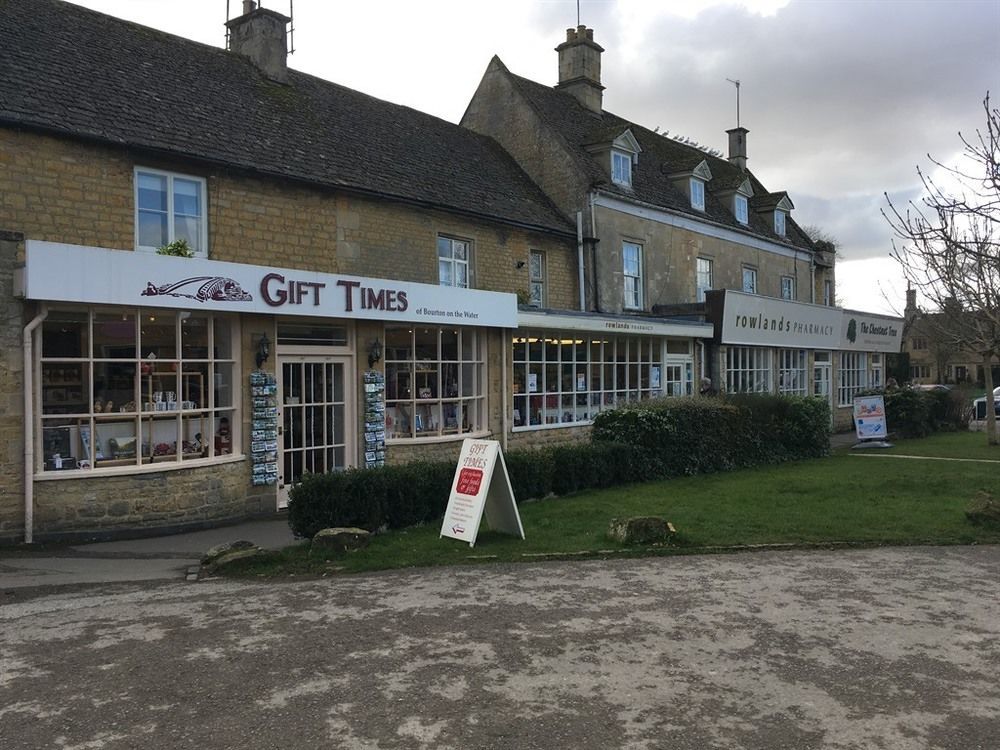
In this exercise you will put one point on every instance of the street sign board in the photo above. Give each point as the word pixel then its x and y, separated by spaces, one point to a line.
pixel 481 486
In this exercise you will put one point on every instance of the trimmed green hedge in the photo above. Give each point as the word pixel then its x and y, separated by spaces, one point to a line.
pixel 702 435
pixel 651 440
pixel 911 413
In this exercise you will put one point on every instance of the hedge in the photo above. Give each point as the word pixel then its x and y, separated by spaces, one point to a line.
pixel 650 440
pixel 910 412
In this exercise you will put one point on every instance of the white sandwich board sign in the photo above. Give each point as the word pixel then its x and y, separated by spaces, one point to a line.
pixel 869 417
pixel 481 485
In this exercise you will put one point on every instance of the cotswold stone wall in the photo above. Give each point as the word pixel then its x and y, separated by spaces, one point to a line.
pixel 12 321
pixel 103 505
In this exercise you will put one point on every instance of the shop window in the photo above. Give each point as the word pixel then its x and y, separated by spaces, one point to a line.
pixel 852 377
pixel 536 273
pixel 565 378
pixel 453 261
pixel 434 382
pixel 876 376
pixel 170 207
pixel 792 373
pixel 632 274
pixel 748 370
pixel 132 387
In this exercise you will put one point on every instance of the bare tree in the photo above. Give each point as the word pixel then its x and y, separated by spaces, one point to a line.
pixel 948 245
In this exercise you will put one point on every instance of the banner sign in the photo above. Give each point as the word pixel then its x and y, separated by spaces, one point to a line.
pixel 754 320
pixel 71 273
pixel 481 485
pixel 869 417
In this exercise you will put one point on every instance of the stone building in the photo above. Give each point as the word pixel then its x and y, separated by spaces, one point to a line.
pixel 670 232
pixel 933 355
pixel 338 249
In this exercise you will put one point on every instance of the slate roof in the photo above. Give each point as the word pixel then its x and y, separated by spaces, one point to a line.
pixel 71 71
pixel 661 156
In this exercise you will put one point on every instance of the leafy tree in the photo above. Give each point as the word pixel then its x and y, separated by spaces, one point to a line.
pixel 948 245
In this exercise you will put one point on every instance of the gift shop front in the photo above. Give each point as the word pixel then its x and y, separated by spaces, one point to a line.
pixel 769 345
pixel 167 392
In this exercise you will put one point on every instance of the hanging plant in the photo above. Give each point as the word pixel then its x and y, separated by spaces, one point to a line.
pixel 179 249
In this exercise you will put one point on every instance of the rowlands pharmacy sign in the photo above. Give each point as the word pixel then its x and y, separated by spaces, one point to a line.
pixel 752 320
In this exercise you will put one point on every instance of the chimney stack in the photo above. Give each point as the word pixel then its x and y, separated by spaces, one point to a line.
pixel 580 68
pixel 911 300
pixel 259 35
pixel 738 147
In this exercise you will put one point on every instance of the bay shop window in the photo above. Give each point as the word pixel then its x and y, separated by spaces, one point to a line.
pixel 564 378
pixel 123 387
pixel 434 382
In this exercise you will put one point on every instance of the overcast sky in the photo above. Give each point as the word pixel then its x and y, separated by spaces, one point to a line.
pixel 842 99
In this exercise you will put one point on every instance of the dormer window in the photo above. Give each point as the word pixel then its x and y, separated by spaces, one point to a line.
pixel 741 209
pixel 621 168
pixel 779 223
pixel 697 188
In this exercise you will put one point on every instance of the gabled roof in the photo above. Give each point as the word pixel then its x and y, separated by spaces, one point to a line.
pixel 73 72
pixel 661 158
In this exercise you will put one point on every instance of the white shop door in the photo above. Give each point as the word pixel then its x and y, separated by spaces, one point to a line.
pixel 314 433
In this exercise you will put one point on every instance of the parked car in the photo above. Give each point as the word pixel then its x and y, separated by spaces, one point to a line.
pixel 979 405
pixel 933 387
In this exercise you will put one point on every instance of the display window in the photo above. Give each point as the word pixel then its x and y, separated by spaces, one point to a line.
pixel 852 376
pixel 567 378
pixel 792 373
pixel 434 382
pixel 120 387
pixel 748 369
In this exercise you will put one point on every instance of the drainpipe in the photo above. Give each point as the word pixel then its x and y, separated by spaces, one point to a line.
pixel 812 279
pixel 579 258
pixel 593 233
pixel 29 425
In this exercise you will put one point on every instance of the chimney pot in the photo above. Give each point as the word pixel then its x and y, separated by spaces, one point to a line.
pixel 249 6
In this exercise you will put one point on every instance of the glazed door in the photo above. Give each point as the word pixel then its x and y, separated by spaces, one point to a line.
pixel 822 383
pixel 314 434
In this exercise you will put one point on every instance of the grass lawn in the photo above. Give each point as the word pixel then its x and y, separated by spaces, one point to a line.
pixel 842 499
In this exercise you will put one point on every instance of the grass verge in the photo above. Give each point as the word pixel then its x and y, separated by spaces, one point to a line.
pixel 844 499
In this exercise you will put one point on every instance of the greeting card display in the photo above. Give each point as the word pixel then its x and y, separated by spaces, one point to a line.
pixel 374 419
pixel 264 432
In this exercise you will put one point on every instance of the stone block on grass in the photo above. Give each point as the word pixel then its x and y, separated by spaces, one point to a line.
pixel 339 541
pixel 984 510
pixel 220 550
pixel 641 530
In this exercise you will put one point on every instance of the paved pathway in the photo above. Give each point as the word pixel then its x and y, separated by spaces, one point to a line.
pixel 896 649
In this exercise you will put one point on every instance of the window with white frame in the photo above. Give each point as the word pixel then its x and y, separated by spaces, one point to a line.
pixel 852 376
pixel 453 261
pixel 748 369
pixel 565 378
pixel 697 194
pixel 792 373
pixel 434 381
pixel 130 387
pixel 788 287
pixel 876 371
pixel 632 274
pixel 741 209
pixel 749 280
pixel 703 277
pixel 779 223
pixel 828 293
pixel 621 168
pixel 170 207
pixel 536 275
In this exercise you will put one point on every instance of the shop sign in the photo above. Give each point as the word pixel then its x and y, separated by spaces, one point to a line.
pixel 753 320
pixel 866 332
pixel 604 324
pixel 481 485
pixel 869 417
pixel 764 321
pixel 71 273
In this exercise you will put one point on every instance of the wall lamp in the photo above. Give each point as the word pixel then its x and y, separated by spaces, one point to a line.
pixel 519 264
pixel 374 352
pixel 263 350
